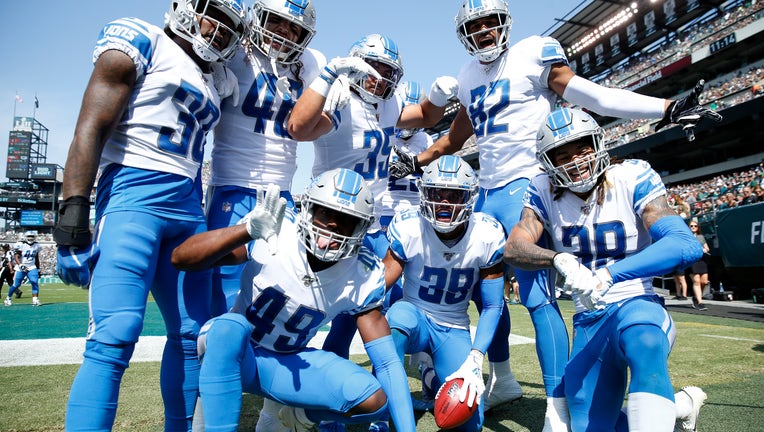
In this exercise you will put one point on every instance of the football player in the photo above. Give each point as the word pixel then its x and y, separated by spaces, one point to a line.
pixel 26 265
pixel 401 193
pixel 355 133
pixel 612 230
pixel 252 147
pixel 145 115
pixel 6 272
pixel 298 276
pixel 445 252
pixel 505 93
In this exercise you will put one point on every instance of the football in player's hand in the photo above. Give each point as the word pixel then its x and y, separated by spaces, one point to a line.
pixel 449 412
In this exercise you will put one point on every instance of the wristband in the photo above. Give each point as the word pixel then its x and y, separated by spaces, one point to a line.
pixel 73 227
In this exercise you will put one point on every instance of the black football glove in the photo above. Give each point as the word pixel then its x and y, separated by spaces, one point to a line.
pixel 73 227
pixel 688 112
pixel 403 164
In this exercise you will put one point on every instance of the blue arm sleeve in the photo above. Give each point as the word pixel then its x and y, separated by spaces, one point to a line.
pixel 492 294
pixel 674 247
pixel 389 370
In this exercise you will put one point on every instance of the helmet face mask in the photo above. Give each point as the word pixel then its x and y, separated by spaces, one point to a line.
pixel 213 27
pixel 411 93
pixel 30 236
pixel 337 210
pixel 382 54
pixel 493 16
pixel 447 192
pixel 270 22
pixel 571 150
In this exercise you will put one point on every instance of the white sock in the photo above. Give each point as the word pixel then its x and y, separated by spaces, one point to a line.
pixel 648 412
pixel 557 417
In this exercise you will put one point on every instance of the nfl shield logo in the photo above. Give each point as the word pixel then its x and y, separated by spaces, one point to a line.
pixel 226 207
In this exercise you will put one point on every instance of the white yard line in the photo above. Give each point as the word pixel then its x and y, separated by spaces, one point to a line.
pixel 732 338
pixel 40 352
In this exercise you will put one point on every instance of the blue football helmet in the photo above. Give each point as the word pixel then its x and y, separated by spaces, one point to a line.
pixel 298 12
pixel 564 126
pixel 382 54
pixel 471 10
pixel 344 191
pixel 184 19
pixel 411 93
pixel 447 192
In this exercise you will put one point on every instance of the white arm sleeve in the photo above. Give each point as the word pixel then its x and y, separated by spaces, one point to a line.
pixel 612 102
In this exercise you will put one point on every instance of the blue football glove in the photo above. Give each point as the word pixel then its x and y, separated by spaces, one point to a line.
pixel 74 264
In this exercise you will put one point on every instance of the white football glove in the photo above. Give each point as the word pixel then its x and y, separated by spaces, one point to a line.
pixel 592 299
pixel 471 371
pixel 226 82
pixel 354 68
pixel 339 95
pixel 576 278
pixel 443 89
pixel 264 221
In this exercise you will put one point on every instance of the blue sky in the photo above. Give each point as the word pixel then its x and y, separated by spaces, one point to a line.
pixel 48 50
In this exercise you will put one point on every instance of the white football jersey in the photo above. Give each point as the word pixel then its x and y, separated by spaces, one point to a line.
pixel 402 193
pixel 506 102
pixel 172 106
pixel 252 146
pixel 440 279
pixel 288 303
pixel 28 253
pixel 360 141
pixel 601 235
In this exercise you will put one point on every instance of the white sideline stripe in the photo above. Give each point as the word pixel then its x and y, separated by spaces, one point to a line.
pixel 40 352
pixel 732 338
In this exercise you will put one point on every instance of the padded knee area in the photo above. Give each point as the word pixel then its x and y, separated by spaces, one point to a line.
pixel 403 316
pixel 123 327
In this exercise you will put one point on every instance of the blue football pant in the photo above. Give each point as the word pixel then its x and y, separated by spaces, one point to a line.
pixel 633 336
pixel 536 294
pixel 414 332
pixel 33 276
pixel 326 385
pixel 135 260
pixel 226 206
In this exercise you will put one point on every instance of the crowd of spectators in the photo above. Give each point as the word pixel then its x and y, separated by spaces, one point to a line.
pixel 701 200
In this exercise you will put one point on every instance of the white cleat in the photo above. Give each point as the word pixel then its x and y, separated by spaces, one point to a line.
pixel 690 422
pixel 505 389
pixel 7 301
pixel 35 301
pixel 295 420
pixel 268 421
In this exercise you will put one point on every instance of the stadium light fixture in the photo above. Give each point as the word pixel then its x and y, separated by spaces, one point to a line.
pixel 604 29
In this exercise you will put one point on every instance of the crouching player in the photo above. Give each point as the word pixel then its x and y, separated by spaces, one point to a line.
pixel 296 279
pixel 612 231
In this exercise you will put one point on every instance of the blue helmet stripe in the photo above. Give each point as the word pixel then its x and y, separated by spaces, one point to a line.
pixel 390 47
pixel 296 7
pixel 559 122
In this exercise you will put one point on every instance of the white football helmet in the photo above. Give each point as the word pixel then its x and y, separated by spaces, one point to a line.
pixel 411 93
pixel 561 127
pixel 447 192
pixel 376 49
pixel 344 191
pixel 30 236
pixel 184 20
pixel 472 10
pixel 298 12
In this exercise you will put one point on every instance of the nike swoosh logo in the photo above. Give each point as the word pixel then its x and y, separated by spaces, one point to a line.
pixel 514 191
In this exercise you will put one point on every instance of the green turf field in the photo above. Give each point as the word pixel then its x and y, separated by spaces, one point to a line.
pixel 723 356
